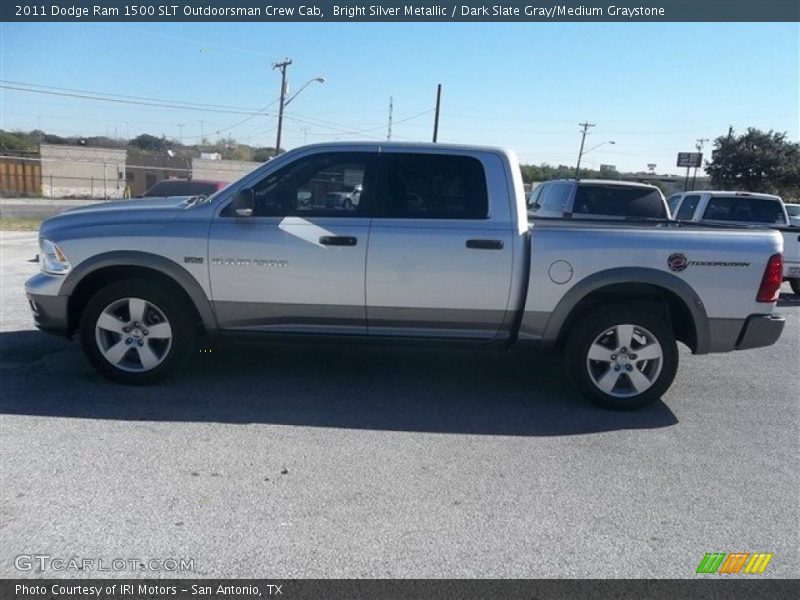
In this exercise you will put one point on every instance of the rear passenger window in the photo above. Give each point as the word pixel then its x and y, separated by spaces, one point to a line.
pixel 744 209
pixel 688 206
pixel 619 201
pixel 433 186
pixel 556 197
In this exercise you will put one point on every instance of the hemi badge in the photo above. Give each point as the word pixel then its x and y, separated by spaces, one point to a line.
pixel 194 260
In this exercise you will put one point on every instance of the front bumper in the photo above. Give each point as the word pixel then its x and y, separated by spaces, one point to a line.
pixel 760 331
pixel 50 310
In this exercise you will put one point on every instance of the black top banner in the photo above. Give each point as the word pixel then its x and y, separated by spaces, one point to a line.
pixel 443 11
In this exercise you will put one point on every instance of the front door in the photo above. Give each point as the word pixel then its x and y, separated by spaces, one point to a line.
pixel 298 263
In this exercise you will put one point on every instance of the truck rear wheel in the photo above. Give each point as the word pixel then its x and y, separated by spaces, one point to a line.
pixel 795 285
pixel 137 331
pixel 622 358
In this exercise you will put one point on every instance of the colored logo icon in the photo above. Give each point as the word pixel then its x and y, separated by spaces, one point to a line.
pixel 734 563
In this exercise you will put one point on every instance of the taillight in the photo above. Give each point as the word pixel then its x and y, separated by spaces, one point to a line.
pixel 771 282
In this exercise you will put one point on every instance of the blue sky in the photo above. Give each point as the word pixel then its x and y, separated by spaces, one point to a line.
pixel 652 88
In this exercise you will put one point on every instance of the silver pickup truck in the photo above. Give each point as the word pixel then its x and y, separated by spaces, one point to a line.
pixel 439 246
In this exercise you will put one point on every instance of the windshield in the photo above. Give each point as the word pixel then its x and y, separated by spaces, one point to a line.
pixel 619 201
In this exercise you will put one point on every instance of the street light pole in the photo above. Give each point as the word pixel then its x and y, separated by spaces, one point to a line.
pixel 282 66
pixel 580 152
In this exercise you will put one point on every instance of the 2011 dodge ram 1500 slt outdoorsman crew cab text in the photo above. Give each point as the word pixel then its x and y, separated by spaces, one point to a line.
pixel 439 246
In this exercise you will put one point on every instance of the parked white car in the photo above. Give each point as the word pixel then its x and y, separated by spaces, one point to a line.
pixel 744 209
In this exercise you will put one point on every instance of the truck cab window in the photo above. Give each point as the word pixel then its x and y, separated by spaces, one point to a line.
pixel 321 185
pixel 745 209
pixel 433 186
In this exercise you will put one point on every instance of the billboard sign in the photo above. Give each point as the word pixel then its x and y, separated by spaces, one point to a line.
pixel 690 159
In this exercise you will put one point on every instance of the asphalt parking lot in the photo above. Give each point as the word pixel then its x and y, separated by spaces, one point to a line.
pixel 297 461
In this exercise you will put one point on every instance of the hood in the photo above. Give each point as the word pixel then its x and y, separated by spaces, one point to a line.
pixel 113 212
pixel 134 204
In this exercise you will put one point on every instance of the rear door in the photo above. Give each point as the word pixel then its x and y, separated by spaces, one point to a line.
pixel 440 252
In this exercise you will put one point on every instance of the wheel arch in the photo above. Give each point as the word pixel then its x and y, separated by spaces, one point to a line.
pixel 93 274
pixel 682 305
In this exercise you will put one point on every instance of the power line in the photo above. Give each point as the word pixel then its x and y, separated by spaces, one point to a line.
pixel 126 96
pixel 121 100
pixel 158 103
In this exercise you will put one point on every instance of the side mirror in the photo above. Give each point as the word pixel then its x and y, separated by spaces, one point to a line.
pixel 244 202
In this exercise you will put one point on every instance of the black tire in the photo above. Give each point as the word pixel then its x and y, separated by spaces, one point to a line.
pixel 603 321
pixel 161 304
pixel 795 285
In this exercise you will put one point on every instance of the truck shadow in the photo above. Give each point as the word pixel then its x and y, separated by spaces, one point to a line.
pixel 357 387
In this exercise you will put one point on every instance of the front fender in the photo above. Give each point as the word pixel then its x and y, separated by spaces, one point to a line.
pixel 146 260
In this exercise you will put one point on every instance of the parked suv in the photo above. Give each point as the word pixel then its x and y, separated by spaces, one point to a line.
pixel 597 198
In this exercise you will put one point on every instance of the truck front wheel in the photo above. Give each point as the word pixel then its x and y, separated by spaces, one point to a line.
pixel 137 331
pixel 622 358
pixel 795 285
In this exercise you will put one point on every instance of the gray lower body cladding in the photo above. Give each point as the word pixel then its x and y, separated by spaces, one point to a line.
pixel 315 318
pixel 50 313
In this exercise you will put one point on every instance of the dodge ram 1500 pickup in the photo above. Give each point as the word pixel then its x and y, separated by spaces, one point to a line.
pixel 438 247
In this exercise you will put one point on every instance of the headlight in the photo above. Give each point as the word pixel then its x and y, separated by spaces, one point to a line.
pixel 53 259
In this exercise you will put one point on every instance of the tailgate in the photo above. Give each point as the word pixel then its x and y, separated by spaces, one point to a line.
pixel 791 251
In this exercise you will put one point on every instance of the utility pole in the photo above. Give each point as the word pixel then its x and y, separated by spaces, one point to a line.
pixel 202 134
pixel 180 133
pixel 700 143
pixel 282 66
pixel 438 106
pixel 389 130
pixel 580 152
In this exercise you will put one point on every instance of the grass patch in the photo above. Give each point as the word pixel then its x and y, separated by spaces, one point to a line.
pixel 20 223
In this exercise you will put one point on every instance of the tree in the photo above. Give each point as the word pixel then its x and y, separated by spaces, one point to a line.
pixel 263 154
pixel 149 143
pixel 755 161
pixel 16 141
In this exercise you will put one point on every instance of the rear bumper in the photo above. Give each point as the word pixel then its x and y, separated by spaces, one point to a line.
pixel 760 331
